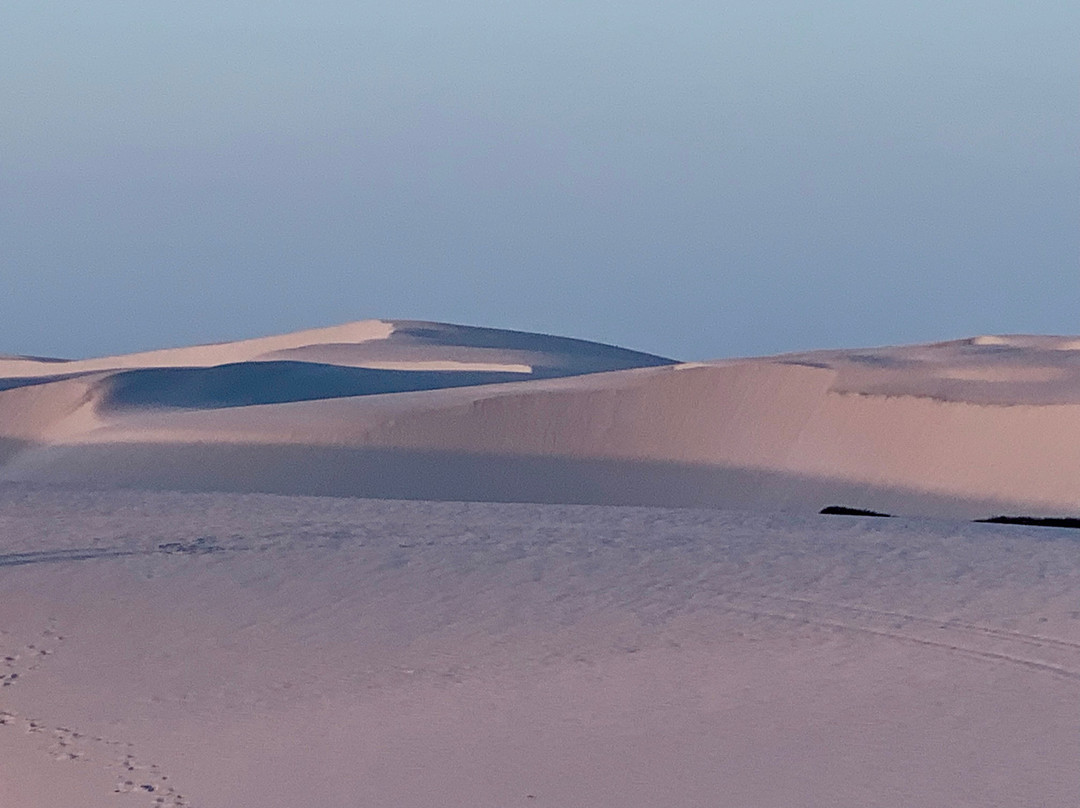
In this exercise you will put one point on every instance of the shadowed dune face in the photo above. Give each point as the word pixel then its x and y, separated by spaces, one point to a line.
pixel 251 383
pixel 456 476
pixel 562 349
pixel 9 448
pixel 30 381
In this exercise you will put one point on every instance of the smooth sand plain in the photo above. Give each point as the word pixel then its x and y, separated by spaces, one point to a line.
pixel 250 650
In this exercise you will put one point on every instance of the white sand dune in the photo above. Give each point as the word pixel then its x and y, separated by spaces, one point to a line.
pixel 389 345
pixel 202 355
pixel 426 411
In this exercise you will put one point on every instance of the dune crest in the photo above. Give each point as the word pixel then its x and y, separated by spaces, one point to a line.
pixel 202 355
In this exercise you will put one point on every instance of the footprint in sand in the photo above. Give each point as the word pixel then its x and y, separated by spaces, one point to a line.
pixel 133 776
pixel 18 663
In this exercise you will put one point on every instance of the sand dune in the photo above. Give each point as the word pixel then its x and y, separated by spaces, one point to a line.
pixel 202 355
pixel 395 344
pixel 189 648
pixel 947 428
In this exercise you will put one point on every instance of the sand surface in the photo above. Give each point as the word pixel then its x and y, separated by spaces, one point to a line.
pixel 250 650
pixel 536 571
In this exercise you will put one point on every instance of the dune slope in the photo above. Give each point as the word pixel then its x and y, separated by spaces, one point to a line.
pixel 428 411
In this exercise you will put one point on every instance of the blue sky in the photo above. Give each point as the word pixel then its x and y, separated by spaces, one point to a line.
pixel 698 179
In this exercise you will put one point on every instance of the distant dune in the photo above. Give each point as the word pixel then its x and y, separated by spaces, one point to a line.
pixel 415 410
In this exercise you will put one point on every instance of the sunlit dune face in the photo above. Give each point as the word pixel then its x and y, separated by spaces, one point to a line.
pixel 1046 343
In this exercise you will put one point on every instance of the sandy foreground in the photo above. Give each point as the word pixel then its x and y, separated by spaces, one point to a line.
pixel 226 650
pixel 226 580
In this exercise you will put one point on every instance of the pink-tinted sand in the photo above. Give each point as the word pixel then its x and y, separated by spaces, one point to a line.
pixel 192 647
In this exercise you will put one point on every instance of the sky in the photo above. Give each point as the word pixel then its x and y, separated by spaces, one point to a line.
pixel 695 179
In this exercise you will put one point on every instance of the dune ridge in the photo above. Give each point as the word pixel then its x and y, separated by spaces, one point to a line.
pixel 202 355
pixel 946 428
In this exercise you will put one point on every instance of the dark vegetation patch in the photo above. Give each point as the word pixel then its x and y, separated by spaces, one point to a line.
pixel 203 544
pixel 1036 521
pixel 843 510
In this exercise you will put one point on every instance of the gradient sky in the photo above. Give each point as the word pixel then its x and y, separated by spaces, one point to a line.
pixel 698 179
